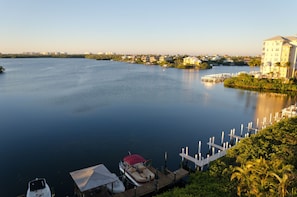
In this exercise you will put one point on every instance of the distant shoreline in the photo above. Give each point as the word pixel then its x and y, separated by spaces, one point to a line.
pixel 41 56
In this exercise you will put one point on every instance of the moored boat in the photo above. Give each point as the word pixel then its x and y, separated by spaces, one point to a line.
pixel 134 167
pixel 38 188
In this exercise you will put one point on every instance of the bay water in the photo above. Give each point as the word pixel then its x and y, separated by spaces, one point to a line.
pixel 58 115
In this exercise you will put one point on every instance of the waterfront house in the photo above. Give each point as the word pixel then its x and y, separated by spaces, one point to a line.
pixel 165 58
pixel 279 57
pixel 191 61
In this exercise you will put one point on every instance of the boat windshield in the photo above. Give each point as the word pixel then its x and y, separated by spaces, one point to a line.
pixel 37 184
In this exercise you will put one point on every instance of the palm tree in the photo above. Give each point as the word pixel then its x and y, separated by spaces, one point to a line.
pixel 282 174
pixel 283 181
pixel 242 176
pixel 255 178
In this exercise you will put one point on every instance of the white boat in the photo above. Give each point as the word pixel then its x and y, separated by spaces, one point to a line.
pixel 135 169
pixel 38 188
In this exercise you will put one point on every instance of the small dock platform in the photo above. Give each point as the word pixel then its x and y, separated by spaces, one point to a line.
pixel 216 77
pixel 204 161
pixel 163 180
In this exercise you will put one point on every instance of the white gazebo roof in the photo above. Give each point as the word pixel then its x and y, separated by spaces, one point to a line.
pixel 92 177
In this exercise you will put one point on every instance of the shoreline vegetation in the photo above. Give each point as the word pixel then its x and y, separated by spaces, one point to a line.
pixel 250 82
pixel 166 61
pixel 262 165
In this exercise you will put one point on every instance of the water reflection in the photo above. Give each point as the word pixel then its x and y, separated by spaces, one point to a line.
pixel 268 104
pixel 208 85
pixel 190 76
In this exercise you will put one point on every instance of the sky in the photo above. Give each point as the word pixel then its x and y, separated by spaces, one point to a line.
pixel 193 27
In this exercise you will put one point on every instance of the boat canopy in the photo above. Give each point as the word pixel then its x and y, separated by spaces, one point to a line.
pixel 134 159
pixel 92 177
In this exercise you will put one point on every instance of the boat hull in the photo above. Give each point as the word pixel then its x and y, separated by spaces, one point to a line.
pixel 138 174
pixel 38 188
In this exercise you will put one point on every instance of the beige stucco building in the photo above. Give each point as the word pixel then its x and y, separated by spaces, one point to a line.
pixel 279 57
pixel 191 61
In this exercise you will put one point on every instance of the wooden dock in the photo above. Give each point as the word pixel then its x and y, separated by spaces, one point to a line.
pixel 163 180
pixel 216 77
pixel 217 151
pixel 203 161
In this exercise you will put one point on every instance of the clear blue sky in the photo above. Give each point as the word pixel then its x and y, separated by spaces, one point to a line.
pixel 196 27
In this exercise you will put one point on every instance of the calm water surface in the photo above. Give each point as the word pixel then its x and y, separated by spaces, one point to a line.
pixel 61 115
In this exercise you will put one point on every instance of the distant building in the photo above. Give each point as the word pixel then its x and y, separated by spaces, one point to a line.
pixel 191 61
pixel 279 57
pixel 154 59
pixel 165 58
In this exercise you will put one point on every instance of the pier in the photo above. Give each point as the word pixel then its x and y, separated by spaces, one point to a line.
pixel 216 77
pixel 220 77
pixel 217 151
pixel 163 180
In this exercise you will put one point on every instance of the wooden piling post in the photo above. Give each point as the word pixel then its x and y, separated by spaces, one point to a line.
pixel 165 164
pixel 183 151
pixel 241 130
pixel 199 147
pixel 196 157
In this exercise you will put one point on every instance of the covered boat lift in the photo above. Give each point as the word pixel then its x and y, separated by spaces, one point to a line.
pixel 92 178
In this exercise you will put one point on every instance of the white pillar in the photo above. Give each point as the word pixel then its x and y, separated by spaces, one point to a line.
pixel 199 147
pixel 196 158
pixel 241 130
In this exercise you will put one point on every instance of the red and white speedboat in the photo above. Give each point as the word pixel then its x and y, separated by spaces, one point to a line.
pixel 134 167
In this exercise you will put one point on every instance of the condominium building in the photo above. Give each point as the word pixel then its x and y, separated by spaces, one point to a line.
pixel 279 57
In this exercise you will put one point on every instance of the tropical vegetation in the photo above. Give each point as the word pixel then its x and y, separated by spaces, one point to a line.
pixel 262 165
pixel 246 81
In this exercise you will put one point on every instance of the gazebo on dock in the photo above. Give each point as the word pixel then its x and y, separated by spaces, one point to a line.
pixel 92 180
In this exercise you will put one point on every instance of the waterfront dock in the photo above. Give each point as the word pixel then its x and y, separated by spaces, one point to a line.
pixel 217 151
pixel 163 180
pixel 220 77
pixel 216 77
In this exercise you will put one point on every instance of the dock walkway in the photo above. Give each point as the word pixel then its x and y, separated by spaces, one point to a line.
pixel 205 161
pixel 162 181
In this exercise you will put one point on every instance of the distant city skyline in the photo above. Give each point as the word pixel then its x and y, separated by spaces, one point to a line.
pixel 192 27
